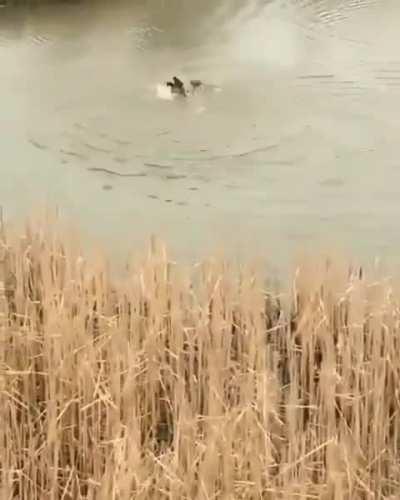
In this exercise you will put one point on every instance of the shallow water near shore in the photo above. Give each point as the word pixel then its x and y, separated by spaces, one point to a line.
pixel 300 149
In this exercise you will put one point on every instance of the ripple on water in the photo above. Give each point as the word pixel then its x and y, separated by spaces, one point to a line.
pixel 389 75
pixel 328 13
pixel 332 182
pixel 40 39
pixel 341 36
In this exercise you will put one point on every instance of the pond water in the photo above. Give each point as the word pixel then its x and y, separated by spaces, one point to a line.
pixel 300 149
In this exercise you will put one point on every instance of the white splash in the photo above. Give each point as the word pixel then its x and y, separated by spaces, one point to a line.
pixel 164 92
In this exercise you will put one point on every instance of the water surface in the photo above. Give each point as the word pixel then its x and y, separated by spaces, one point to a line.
pixel 299 150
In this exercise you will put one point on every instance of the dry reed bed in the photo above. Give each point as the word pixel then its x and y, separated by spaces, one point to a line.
pixel 172 384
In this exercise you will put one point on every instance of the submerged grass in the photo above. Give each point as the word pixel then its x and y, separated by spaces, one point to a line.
pixel 177 384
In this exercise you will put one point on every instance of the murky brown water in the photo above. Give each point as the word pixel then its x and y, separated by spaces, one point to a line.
pixel 300 149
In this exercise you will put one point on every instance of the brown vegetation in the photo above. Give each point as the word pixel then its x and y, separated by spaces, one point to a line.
pixel 171 384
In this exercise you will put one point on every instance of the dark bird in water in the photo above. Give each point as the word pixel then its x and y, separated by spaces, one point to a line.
pixel 177 86
pixel 196 84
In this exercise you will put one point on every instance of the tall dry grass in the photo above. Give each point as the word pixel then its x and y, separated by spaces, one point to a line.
pixel 172 384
